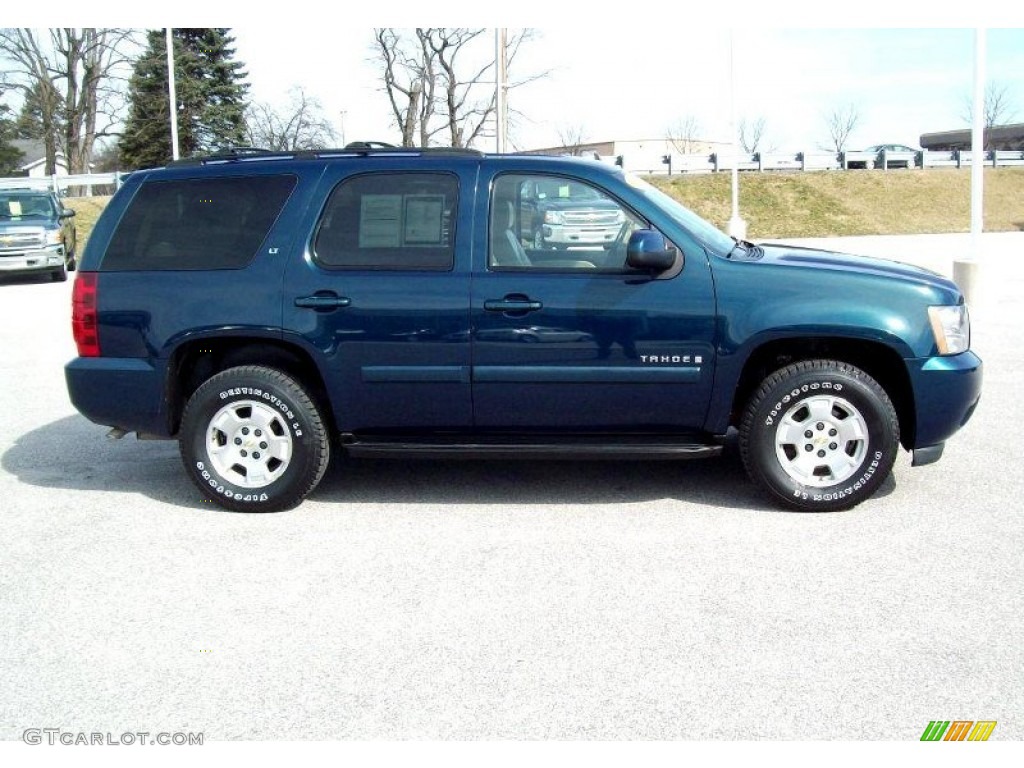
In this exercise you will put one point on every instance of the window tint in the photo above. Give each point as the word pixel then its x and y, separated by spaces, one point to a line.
pixel 390 221
pixel 555 223
pixel 198 223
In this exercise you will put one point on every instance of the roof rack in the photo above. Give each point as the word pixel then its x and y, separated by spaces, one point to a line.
pixel 353 149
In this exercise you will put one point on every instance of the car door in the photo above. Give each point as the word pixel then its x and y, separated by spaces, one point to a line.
pixel 381 292
pixel 570 339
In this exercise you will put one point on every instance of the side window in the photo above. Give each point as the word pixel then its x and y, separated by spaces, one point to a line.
pixel 557 223
pixel 216 223
pixel 389 221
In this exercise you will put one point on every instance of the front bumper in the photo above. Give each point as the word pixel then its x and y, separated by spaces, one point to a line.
pixel 946 392
pixel 31 261
pixel 124 392
pixel 570 234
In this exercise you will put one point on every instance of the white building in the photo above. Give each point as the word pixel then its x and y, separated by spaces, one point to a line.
pixel 33 161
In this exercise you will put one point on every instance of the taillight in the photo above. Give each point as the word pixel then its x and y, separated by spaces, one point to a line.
pixel 83 315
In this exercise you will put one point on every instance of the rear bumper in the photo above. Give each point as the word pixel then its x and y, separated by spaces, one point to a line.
pixel 946 392
pixel 119 392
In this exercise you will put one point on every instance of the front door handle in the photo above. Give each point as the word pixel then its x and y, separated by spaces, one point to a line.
pixel 323 301
pixel 512 304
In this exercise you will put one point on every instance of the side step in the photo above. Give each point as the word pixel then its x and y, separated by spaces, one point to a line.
pixel 636 449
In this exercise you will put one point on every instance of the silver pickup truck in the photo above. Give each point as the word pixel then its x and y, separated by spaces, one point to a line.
pixel 37 234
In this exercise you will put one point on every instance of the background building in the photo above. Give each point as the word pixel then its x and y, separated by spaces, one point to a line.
pixel 638 155
pixel 996 137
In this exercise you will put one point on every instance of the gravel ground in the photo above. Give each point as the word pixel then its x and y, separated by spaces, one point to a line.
pixel 514 601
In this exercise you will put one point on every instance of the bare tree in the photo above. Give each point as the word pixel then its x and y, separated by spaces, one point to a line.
pixel 444 73
pixel 752 135
pixel 999 108
pixel 72 74
pixel 683 135
pixel 302 125
pixel 409 81
pixel 572 138
pixel 841 122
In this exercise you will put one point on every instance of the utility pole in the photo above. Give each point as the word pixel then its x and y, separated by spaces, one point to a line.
pixel 501 88
pixel 172 96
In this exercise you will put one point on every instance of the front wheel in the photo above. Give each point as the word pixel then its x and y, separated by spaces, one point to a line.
pixel 819 435
pixel 253 440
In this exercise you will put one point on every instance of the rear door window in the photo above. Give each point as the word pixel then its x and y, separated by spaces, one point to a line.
pixel 197 223
pixel 389 221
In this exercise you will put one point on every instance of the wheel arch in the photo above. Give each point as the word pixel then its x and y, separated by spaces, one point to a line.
pixel 880 361
pixel 196 360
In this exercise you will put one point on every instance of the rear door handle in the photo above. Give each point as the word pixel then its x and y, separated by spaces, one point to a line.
pixel 323 301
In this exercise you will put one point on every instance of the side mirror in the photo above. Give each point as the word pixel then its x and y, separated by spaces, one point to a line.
pixel 66 213
pixel 648 250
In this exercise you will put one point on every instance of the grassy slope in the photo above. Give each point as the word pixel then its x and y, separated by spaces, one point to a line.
pixel 87 210
pixel 818 204
pixel 826 203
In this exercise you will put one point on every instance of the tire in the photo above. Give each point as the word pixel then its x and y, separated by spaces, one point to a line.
pixel 72 262
pixel 253 440
pixel 854 436
pixel 59 275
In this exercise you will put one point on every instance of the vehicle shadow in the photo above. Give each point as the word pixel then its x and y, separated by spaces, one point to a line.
pixel 74 454
pixel 90 462
pixel 27 278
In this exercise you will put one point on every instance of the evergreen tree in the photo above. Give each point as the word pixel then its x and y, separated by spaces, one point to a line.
pixel 29 124
pixel 211 93
pixel 10 156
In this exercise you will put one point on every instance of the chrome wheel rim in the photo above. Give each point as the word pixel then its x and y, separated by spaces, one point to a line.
pixel 821 440
pixel 249 444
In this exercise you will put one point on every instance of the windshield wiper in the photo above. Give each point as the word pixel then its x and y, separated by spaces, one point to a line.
pixel 749 249
pixel 737 243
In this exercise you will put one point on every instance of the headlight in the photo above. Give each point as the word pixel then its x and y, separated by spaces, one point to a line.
pixel 553 217
pixel 952 329
pixel 53 237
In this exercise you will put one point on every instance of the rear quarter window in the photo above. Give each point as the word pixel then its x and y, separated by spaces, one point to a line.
pixel 197 224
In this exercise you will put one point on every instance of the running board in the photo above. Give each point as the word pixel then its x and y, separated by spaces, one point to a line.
pixel 654 450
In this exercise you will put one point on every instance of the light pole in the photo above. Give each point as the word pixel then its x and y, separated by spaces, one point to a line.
pixel 500 89
pixel 967 272
pixel 737 226
pixel 172 95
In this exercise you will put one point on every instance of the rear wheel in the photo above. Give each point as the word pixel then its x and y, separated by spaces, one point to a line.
pixel 819 435
pixel 253 440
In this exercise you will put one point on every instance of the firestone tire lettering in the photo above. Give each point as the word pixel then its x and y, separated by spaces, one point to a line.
pixel 310 451
pixel 782 391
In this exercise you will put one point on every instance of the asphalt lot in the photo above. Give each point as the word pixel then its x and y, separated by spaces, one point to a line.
pixel 513 601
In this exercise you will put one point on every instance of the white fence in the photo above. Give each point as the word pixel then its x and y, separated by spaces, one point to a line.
pixel 809 161
pixel 82 184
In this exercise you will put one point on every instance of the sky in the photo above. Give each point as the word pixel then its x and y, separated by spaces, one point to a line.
pixel 616 85
pixel 630 70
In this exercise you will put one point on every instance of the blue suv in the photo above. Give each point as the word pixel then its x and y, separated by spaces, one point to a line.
pixel 268 310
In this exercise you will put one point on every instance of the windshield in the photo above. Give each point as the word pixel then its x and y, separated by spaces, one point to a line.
pixel 566 190
pixel 22 206
pixel 700 229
